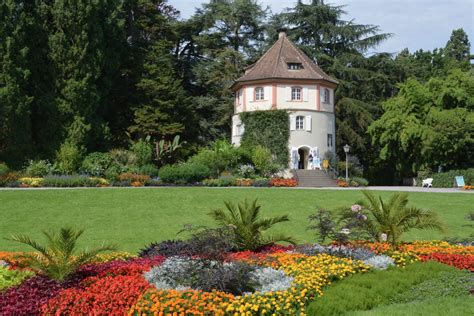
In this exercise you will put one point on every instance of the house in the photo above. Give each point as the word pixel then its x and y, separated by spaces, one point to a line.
pixel 285 78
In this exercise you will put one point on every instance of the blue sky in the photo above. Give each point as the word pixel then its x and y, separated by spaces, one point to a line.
pixel 415 24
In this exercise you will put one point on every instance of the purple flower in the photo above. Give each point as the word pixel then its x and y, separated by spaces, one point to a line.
pixel 356 208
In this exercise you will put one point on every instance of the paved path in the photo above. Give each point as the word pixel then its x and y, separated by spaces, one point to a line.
pixel 372 188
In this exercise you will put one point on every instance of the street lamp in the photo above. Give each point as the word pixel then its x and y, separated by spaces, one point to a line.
pixel 346 150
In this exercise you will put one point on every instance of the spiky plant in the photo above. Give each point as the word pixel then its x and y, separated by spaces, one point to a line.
pixel 249 227
pixel 394 217
pixel 59 258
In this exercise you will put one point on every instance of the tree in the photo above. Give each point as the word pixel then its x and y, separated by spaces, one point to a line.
pixel 59 258
pixel 458 47
pixel 394 217
pixel 427 125
pixel 248 226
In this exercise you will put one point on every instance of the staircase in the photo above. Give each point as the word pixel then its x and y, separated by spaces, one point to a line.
pixel 313 178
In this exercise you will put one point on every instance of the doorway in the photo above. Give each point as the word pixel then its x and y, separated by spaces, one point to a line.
pixel 303 155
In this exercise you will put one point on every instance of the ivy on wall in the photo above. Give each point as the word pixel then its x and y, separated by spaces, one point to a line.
pixel 270 129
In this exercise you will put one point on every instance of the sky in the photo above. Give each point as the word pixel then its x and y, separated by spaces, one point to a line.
pixel 425 24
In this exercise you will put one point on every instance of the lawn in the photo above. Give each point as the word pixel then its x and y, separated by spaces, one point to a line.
pixel 133 217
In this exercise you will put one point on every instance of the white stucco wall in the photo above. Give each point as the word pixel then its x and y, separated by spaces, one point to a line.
pixel 322 124
pixel 311 98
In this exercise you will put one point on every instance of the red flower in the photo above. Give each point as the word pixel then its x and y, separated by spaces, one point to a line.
pixel 463 262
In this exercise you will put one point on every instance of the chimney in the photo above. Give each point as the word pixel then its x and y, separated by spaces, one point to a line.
pixel 281 32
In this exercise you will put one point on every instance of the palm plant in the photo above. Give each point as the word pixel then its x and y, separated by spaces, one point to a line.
pixel 60 257
pixel 248 225
pixel 394 217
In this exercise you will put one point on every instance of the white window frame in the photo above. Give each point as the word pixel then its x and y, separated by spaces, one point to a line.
pixel 296 93
pixel 326 96
pixel 330 140
pixel 299 123
pixel 259 94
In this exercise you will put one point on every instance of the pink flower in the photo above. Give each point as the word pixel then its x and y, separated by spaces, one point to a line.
pixel 356 208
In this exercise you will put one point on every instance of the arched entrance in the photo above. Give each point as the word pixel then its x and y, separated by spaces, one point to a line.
pixel 303 153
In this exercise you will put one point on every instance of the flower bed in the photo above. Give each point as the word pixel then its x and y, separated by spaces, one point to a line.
pixel 120 283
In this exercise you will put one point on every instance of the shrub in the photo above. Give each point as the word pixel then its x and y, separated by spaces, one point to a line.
pixel 149 169
pixel 58 259
pixel 9 278
pixel 31 182
pixel 96 164
pixel 9 179
pixel 248 226
pixel 380 262
pixel 210 243
pixel 281 182
pixel 73 181
pixel 356 253
pixel 261 182
pixel 134 178
pixel 357 181
pixel 222 181
pixel 368 290
pixel 246 171
pixel 68 158
pixel 3 169
pixel 167 248
pixel 143 150
pixel 186 273
pixel 38 168
pixel 125 160
pixel 263 161
pixel 446 179
pixel 270 280
pixel 243 182
pixel 185 173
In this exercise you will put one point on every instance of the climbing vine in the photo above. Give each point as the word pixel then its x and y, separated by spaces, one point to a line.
pixel 270 129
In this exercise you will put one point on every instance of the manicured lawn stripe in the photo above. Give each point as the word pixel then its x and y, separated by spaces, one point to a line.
pixel 132 217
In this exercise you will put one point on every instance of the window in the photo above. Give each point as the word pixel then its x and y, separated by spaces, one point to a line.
pixel 295 66
pixel 259 95
pixel 325 96
pixel 295 93
pixel 300 123
pixel 329 140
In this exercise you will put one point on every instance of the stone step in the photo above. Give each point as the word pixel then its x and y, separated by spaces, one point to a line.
pixel 314 178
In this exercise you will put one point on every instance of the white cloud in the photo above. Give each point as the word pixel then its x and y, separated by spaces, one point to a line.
pixel 416 24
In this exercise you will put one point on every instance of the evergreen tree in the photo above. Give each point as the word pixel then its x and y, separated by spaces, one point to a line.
pixel 458 46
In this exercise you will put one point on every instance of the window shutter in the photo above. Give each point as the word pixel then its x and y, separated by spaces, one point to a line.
pixel 292 122
pixel 267 93
pixel 251 93
pixel 288 93
pixel 305 94
pixel 308 123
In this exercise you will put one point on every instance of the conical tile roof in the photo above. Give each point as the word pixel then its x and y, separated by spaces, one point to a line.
pixel 274 64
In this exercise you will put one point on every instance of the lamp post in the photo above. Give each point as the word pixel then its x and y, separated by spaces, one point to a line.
pixel 346 150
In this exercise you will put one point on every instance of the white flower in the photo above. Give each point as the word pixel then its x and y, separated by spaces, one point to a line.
pixel 356 208
pixel 364 217
pixel 345 231
pixel 383 237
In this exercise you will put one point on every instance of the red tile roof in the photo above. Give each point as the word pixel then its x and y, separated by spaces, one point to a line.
pixel 274 64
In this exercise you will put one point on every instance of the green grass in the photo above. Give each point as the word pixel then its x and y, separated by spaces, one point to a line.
pixel 401 286
pixel 133 217
pixel 434 307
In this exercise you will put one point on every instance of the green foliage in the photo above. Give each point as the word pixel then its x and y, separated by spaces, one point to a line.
pixel 394 217
pixel 185 173
pixel 428 125
pixel 248 225
pixel 149 169
pixel 143 151
pixel 68 158
pixel 270 129
pixel 166 151
pixel 9 278
pixel 95 164
pixel 358 181
pixel 70 181
pixel 38 168
pixel 366 291
pixel 455 283
pixel 59 258
pixel 446 179
pixel 263 160
pixel 223 181
pixel 3 168
pixel 123 160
